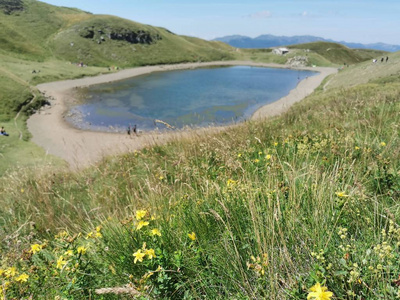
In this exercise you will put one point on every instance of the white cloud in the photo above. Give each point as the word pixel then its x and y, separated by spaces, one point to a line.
pixel 307 14
pixel 265 14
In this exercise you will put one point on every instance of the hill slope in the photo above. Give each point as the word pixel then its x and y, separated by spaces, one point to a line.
pixel 32 31
pixel 338 54
pixel 37 30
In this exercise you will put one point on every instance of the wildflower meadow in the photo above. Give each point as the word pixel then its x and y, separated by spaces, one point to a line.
pixel 301 206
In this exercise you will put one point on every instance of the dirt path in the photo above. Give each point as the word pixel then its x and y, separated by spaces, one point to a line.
pixel 82 148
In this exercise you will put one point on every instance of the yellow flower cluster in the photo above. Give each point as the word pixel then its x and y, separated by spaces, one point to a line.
pixel 8 276
pixel 142 253
pixel 231 183
pixel 95 234
pixel 341 194
pixel 155 231
pixel 61 262
pixel 192 236
pixel 81 250
pixel 342 232
pixel 319 255
pixel 62 235
pixel 318 292
pixel 384 251
pixel 35 248
pixel 258 264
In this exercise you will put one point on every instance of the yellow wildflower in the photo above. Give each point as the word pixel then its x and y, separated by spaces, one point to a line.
pixel 341 194
pixel 161 177
pixel 35 248
pixel 61 234
pixel 140 214
pixel 356 148
pixel 276 144
pixel 239 155
pixel 22 278
pixel 10 272
pixel 1 272
pixel 231 182
pixel 69 253
pixel 256 160
pixel 155 231
pixel 141 224
pixel 61 262
pixel 192 236
pixel 318 292
pixel 139 255
pixel 150 253
pixel 268 157
pixel 81 250
pixel 383 144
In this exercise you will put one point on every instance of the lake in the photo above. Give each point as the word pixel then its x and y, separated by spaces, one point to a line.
pixel 197 98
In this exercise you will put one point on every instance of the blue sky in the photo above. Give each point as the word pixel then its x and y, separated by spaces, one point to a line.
pixel 365 21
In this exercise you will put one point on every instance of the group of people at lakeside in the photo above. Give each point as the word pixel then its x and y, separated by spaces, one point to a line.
pixel 382 59
pixel 3 131
pixel 132 130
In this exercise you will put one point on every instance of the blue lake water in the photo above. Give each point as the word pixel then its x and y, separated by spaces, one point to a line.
pixel 199 97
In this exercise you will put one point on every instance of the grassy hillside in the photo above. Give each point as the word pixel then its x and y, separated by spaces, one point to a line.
pixel 161 46
pixel 338 54
pixel 318 54
pixel 369 72
pixel 38 32
pixel 265 210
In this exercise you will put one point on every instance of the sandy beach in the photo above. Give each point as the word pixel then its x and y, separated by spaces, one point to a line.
pixel 82 148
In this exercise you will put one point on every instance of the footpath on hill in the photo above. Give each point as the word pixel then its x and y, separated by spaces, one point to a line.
pixel 81 148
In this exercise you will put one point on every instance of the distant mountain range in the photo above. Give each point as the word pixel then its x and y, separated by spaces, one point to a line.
pixel 268 41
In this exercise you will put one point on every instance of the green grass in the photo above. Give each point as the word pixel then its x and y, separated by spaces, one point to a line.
pixel 18 154
pixel 276 206
pixel 339 54
pixel 319 54
pixel 368 72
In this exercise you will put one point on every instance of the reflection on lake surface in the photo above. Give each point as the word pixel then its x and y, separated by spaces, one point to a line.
pixel 198 97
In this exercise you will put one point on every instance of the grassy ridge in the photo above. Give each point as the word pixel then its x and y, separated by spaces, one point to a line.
pixel 264 210
pixel 318 54
pixel 339 54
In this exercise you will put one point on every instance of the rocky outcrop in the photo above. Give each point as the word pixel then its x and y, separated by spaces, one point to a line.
pixel 120 34
pixel 10 6
pixel 298 61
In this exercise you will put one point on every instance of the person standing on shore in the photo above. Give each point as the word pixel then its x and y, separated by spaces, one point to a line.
pixel 129 130
pixel 134 129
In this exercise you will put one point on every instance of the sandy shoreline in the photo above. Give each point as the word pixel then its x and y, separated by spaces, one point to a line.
pixel 81 148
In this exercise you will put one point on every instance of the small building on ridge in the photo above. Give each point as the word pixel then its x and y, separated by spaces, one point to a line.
pixel 280 51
